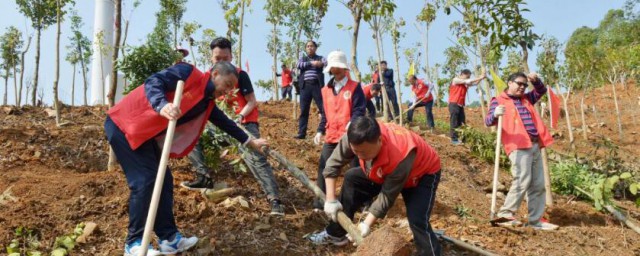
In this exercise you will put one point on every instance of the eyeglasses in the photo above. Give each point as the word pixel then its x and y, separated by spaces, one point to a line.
pixel 522 84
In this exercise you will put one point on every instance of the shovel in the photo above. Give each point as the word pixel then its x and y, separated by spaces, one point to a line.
pixel 496 169
pixel 157 187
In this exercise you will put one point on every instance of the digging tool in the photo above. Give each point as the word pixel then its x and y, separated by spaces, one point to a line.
pixel 415 104
pixel 496 169
pixel 463 245
pixel 343 219
pixel 162 168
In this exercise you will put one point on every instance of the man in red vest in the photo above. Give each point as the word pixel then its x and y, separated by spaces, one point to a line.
pixel 422 92
pixel 286 82
pixel 523 135
pixel 457 96
pixel 343 100
pixel 371 91
pixel 243 100
pixel 392 161
pixel 136 127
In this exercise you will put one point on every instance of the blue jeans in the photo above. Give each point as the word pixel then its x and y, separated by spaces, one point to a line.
pixel 257 163
pixel 286 91
pixel 140 167
pixel 428 107
pixel 310 91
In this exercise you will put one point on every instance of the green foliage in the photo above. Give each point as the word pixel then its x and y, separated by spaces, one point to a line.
pixel 567 176
pixel 463 211
pixel 79 47
pixel 547 60
pixel 482 145
pixel 10 42
pixel 202 46
pixel 173 11
pixel 65 244
pixel 455 59
pixel 513 65
pixel 217 144
pixel 24 242
pixel 42 13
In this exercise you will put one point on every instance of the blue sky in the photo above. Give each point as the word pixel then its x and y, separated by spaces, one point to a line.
pixel 550 17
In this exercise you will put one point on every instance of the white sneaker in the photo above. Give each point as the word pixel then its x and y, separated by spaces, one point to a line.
pixel 544 225
pixel 323 238
pixel 134 249
pixel 178 245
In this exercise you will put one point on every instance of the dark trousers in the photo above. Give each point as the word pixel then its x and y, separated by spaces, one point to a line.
pixel 140 167
pixel 456 120
pixel 327 150
pixel 287 91
pixel 310 91
pixel 379 104
pixel 419 201
pixel 371 109
pixel 391 93
pixel 428 108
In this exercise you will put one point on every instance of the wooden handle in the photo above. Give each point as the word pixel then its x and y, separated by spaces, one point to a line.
pixel 157 187
pixel 496 169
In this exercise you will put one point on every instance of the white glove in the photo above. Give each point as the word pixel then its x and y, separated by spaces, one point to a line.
pixel 331 208
pixel 317 139
pixel 499 111
pixel 364 229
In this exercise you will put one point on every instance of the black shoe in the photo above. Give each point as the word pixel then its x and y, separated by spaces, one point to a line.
pixel 201 183
pixel 300 137
pixel 276 208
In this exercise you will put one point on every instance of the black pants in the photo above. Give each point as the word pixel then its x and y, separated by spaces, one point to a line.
pixel 391 93
pixel 456 120
pixel 379 104
pixel 287 91
pixel 310 91
pixel 327 150
pixel 428 108
pixel 371 109
pixel 419 201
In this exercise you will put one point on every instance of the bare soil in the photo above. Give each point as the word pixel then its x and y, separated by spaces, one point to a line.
pixel 58 177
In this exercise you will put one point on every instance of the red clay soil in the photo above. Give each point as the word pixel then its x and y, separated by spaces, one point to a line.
pixel 58 177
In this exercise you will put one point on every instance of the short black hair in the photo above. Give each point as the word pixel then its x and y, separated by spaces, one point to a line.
pixel 383 62
pixel 283 65
pixel 512 77
pixel 466 72
pixel 220 42
pixel 363 129
pixel 414 77
pixel 376 87
pixel 314 43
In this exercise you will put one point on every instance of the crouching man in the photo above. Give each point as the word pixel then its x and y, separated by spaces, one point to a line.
pixel 393 160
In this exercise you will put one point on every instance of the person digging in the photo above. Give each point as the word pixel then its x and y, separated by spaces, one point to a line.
pixel 371 91
pixel 136 128
pixel 523 135
pixel 393 161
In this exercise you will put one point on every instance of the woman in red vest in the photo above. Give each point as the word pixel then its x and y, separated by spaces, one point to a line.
pixel 422 91
pixel 392 161
pixel 286 82
pixel 523 135
pixel 136 126
pixel 344 100
pixel 370 91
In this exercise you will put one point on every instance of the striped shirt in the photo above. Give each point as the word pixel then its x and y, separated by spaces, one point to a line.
pixel 310 72
pixel 533 97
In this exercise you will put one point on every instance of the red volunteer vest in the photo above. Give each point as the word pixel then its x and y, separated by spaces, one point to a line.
pixel 337 110
pixel 397 142
pixel 139 122
pixel 367 92
pixel 514 135
pixel 286 78
pixel 236 96
pixel 421 91
pixel 457 93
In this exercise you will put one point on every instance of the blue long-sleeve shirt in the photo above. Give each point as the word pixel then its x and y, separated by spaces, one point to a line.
pixel 158 84
pixel 527 119
pixel 387 76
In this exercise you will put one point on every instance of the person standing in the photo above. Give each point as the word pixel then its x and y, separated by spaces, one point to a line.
pixel 311 80
pixel 393 161
pixel 389 86
pixel 422 92
pixel 344 101
pixel 523 135
pixel 135 128
pixel 375 79
pixel 286 82
pixel 457 95
pixel 371 91
pixel 243 101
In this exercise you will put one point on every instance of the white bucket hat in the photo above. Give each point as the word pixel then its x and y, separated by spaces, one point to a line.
pixel 336 59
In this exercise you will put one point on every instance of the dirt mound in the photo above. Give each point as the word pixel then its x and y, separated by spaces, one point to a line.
pixel 58 177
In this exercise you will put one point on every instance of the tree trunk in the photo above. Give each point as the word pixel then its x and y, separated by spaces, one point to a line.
pixel 385 99
pixel 112 163
pixel 525 57
pixel 357 16
pixel 240 33
pixel 35 75
pixel 567 116
pixel 275 61
pixel 73 85
pixel 615 100
pixel 584 123
pixel 483 70
pixel 56 101
pixel 19 102
pixel 6 85
pixel 84 74
pixel 398 91
pixel 296 96
pixel 15 85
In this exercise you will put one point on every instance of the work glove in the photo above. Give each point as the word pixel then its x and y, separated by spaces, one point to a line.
pixel 331 208
pixel 364 229
pixel 499 111
pixel 317 139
